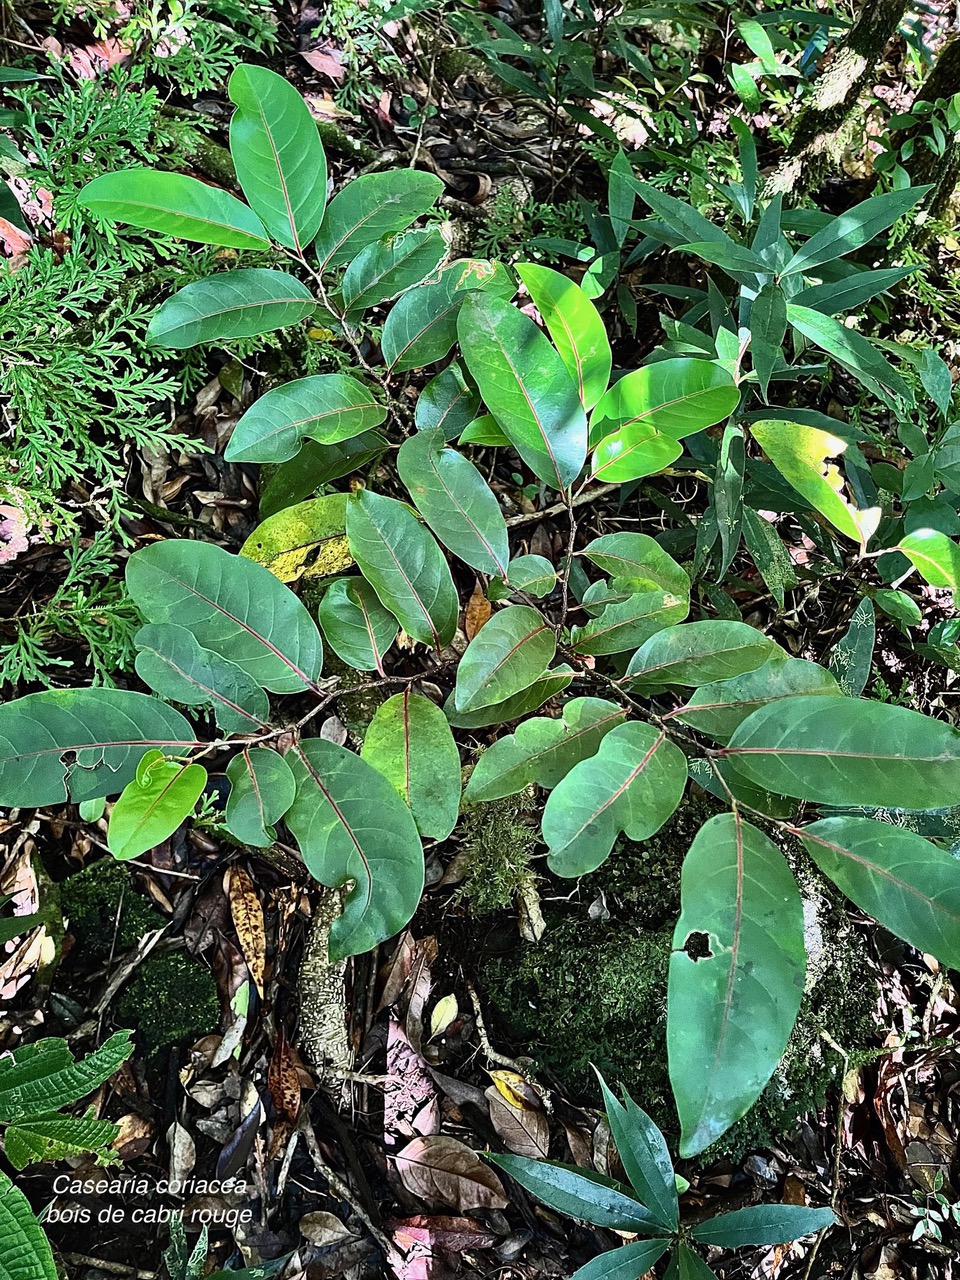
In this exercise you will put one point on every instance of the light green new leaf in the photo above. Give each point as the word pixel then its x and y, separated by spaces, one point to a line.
pixel 578 1193
pixel 629 623
pixel 57 1137
pixel 402 562
pixel 730 1012
pixel 278 155
pixel 800 454
pixel 262 789
pixel 674 397
pixel 639 560
pixel 526 386
pixel 422 327
pixel 849 751
pixel 233 606
pixel 632 453
pixel 356 625
pixel 384 270
pixel 410 743
pixel 504 658
pixel 152 806
pixel 717 709
pixel 542 750
pixel 902 880
pixel 853 352
pixel 762 1224
pixel 353 827
pixel 575 326
pixel 329 407
pixel 103 732
pixel 232 304
pixel 25 1252
pixel 172 662
pixel 644 1156
pixel 546 686
pixel 371 207
pixel 174 205
pixel 447 402
pixel 696 653
pixel 455 500
pixel 934 555
pixel 856 227
pixel 852 657
pixel 633 784
pixel 40 1077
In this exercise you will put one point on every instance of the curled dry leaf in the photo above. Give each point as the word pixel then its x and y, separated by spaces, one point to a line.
pixel 515 1090
pixel 524 1132
pixel 444 1012
pixel 247 912
pixel 477 612
pixel 442 1170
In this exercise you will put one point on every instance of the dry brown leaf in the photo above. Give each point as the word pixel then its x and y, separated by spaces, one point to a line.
pixel 442 1170
pixel 247 912
pixel 477 612
pixel 283 1081
pixel 524 1132
pixel 323 1228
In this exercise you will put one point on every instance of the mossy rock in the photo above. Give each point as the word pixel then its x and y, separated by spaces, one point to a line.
pixel 106 914
pixel 172 998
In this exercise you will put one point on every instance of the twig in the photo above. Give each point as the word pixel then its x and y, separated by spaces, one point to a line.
pixel 530 517
pixel 114 1268
pixel 501 1059
pixel 340 1188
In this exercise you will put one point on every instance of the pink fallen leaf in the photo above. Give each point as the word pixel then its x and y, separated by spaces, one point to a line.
pixel 328 61
pixel 452 1234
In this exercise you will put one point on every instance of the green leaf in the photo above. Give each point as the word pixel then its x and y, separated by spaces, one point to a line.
pixel 152 806
pixel 630 623
pixel 853 352
pixel 504 658
pixel 25 1252
pixel 404 565
pixel 546 686
pixel 696 653
pixel 769 554
pixel 621 197
pixel 422 327
pixel 174 205
pixel 356 625
pixel 371 207
pixel 852 657
pixel 384 270
pixel 447 402
pixel 682 219
pixel 676 397
pixel 278 155
pixel 410 743
pixel 632 453
pixel 849 752
pixel 717 709
pixel 533 574
pixel 768 324
pixel 306 540
pixel 644 1156
pixel 735 259
pixel 316 465
pixel 78 744
pixel 763 1224
pixel 633 784
pixel 800 454
pixel 686 1265
pixel 233 606
pixel 57 1137
pixel 575 326
pixel 173 664
pixel 730 1012
pixel 230 305
pixel 455 500
pixel 578 1193
pixel 542 751
pixel 328 407
pixel 526 387
pixel 262 789
pixel 902 880
pixel 934 555
pixel 14 926
pixel 855 228
pixel 484 430
pixel 638 559
pixel 42 1076
pixel 353 827
pixel 852 292
pixel 899 606
pixel 624 1263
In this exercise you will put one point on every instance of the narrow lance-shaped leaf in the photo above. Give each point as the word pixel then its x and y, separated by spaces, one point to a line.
pixel 625 1263
pixel 578 1193
pixel 410 743
pixel 504 657
pixel 853 352
pixel 328 407
pixel 575 326
pixel 856 227
pixel 768 325
pixel 644 1156
pixel 763 1224
pixel 152 806
pixel 230 305
pixel 686 1265
pixel 730 1011
pixel 262 789
pixel 852 656
pixel 356 625
pixel 175 665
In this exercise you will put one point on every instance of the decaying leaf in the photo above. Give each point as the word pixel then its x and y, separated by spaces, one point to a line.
pixel 477 612
pixel 444 1012
pixel 441 1170
pixel 524 1131
pixel 247 912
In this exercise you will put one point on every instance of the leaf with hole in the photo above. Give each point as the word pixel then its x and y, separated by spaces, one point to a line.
pixel 371 207
pixel 308 540
pixel 410 743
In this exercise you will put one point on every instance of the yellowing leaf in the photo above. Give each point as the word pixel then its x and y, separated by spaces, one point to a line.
pixel 444 1012
pixel 515 1090
pixel 307 540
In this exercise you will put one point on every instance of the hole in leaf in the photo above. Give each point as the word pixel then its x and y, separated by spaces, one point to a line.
pixel 697 946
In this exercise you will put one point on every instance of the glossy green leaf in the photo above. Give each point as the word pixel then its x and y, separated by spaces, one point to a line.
pixel 262 789
pixel 856 227
pixel 735 259
pixel 526 386
pixel 79 744
pixel 308 540
pixel 800 454
pixel 546 686
pixel 352 827
pixel 934 555
pixel 15 926
pixel 384 270
pixel 768 324
pixel 696 653
pixel 447 402
pixel 56 1137
pixel 644 1156
pixel 853 352
pixel 410 743
pixel 402 562
pixel 674 397
pixel 230 305
pixel 849 751
pixel 316 465
pixel 328 408
pixel 422 327
pixel 278 155
pixel 624 1263
pixel 730 1012
pixel 533 574
pixel 840 296
pixel 371 207
pixel 542 751
pixel 356 625
pixel 575 326
pixel 484 430
pixel 25 1252
pixel 578 1193
pixel 173 663
pixel 233 606
pixel 640 560
pixel 899 606
pixel 717 709
pixel 762 1224
pixel 633 784
pixel 630 623
pixel 174 205
pixel 852 656
pixel 504 658
pixel 152 806
pixel 908 884
pixel 632 453
pixel 455 500
pixel 686 1265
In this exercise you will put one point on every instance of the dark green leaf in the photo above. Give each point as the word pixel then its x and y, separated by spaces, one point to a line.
pixel 25 1252
pixel 852 657
pixel 717 709
pixel 856 227
pixel 696 653
pixel 763 1224
pixel 172 662
pixel 644 1156
pixel 356 625
pixel 385 269
pixel 233 304
pixel 505 657
pixel 447 402
pixel 371 207
pixel 328 408
pixel 578 1193
pixel 262 789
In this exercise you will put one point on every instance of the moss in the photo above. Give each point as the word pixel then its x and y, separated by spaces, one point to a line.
pixel 171 998
pixel 497 845
pixel 105 912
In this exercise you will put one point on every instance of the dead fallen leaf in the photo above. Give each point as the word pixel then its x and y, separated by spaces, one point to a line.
pixel 477 612
pixel 452 1234
pixel 444 1012
pixel 442 1170
pixel 323 1228
pixel 328 61
pixel 524 1132
pixel 247 912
